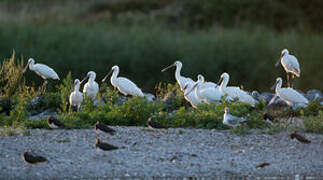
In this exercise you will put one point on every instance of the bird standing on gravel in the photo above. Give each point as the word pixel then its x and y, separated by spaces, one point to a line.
pixel 54 123
pixel 290 64
pixel 76 97
pixel 231 120
pixel 104 146
pixel 100 127
pixel 154 124
pixel 299 138
pixel 91 88
pixel 33 158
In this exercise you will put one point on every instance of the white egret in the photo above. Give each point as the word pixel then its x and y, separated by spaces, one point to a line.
pixel 91 88
pixel 76 97
pixel 290 64
pixel 235 92
pixel 289 95
pixel 190 96
pixel 211 95
pixel 124 85
pixel 181 80
pixel 42 70
pixel 231 120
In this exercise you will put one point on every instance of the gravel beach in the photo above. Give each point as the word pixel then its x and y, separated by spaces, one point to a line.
pixel 161 153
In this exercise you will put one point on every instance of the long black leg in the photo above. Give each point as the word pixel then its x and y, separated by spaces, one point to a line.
pixel 288 80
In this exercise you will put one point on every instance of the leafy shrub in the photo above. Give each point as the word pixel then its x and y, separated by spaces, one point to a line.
pixel 314 124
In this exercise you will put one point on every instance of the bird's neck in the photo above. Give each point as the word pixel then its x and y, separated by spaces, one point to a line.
pixel 224 83
pixel 31 66
pixel 178 72
pixel 77 88
pixel 197 91
pixel 114 76
pixel 91 79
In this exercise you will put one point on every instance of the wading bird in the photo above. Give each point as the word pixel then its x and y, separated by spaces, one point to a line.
pixel 190 96
pixel 42 70
pixel 91 88
pixel 235 92
pixel 181 80
pixel 290 64
pixel 124 85
pixel 289 95
pixel 76 97
pixel 32 158
pixel 211 95
pixel 231 120
pixel 154 124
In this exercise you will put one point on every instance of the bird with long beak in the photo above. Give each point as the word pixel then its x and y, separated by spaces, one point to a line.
pixel 76 97
pixel 42 70
pixel 235 92
pixel 91 88
pixel 211 95
pixel 54 123
pixel 289 95
pixel 181 80
pixel 124 85
pixel 291 66
pixel 104 146
pixel 231 120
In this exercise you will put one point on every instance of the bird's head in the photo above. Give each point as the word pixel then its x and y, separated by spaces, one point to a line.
pixel 114 68
pixel 200 78
pixel 284 52
pixel 90 74
pixel 178 63
pixel 278 82
pixel 30 61
pixel 175 64
pixel 223 76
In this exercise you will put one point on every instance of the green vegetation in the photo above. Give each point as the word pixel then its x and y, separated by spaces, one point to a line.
pixel 170 109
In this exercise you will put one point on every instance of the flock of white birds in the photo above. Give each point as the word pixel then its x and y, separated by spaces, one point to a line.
pixel 195 92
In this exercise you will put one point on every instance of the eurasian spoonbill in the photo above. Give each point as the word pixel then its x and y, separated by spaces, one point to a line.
pixel 76 97
pixel 235 92
pixel 181 80
pixel 124 85
pixel 289 95
pixel 211 95
pixel 42 70
pixel 290 64
pixel 91 88
pixel 190 96
pixel 231 120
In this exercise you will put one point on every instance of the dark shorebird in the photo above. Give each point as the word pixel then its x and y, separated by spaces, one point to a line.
pixel 54 123
pixel 104 146
pixel 103 128
pixel 262 165
pixel 300 138
pixel 33 158
pixel 268 118
pixel 155 125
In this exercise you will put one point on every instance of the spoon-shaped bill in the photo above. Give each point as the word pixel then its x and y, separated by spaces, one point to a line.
pixel 274 86
pixel 163 70
pixel 220 80
pixel 86 77
pixel 25 69
pixel 105 77
pixel 190 90
pixel 277 63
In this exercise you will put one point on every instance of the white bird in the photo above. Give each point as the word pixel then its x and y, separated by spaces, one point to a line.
pixel 190 96
pixel 124 85
pixel 42 70
pixel 181 80
pixel 91 88
pixel 231 120
pixel 235 92
pixel 289 95
pixel 76 97
pixel 210 95
pixel 290 64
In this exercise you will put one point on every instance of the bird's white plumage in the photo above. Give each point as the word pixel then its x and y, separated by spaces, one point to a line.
pixel 124 85
pixel 190 96
pixel 181 80
pixel 91 88
pixel 289 95
pixel 76 97
pixel 235 92
pixel 210 94
pixel 290 63
pixel 42 70
pixel 231 120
